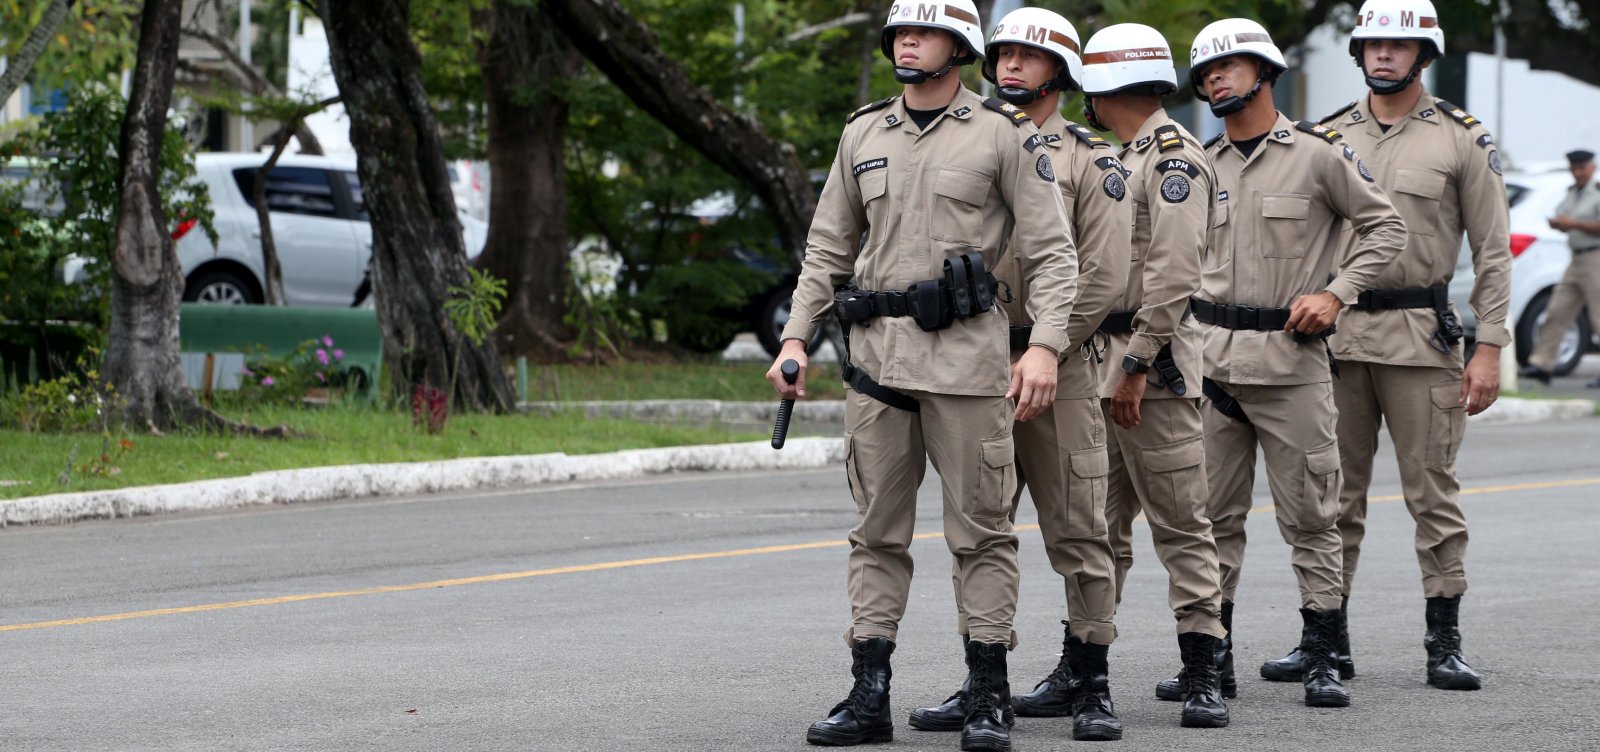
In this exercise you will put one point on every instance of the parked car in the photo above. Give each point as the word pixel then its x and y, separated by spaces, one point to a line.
pixel 1539 257
pixel 319 226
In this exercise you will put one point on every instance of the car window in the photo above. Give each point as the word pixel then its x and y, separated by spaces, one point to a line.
pixel 292 190
pixel 358 200
pixel 1515 193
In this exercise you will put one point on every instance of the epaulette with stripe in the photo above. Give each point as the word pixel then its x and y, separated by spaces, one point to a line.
pixel 1167 138
pixel 1320 131
pixel 871 107
pixel 1087 136
pixel 1339 113
pixel 1011 111
pixel 1459 114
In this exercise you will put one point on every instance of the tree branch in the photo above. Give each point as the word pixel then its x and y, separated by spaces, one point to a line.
pixel 257 82
pixel 18 67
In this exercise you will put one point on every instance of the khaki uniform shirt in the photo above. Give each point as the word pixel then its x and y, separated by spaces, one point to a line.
pixel 1583 204
pixel 920 197
pixel 1174 190
pixel 1276 237
pixel 1093 190
pixel 1442 171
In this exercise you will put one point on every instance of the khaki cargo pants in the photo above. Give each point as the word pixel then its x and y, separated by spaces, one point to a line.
pixel 1579 286
pixel 1061 458
pixel 1159 468
pixel 1426 422
pixel 968 440
pixel 1294 426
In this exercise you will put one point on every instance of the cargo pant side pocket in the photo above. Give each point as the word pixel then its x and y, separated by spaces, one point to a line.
pixel 1086 492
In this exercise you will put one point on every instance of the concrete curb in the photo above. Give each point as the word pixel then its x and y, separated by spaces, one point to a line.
pixel 821 411
pixel 401 479
pixel 1521 410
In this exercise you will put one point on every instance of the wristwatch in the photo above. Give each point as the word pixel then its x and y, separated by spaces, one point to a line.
pixel 1133 365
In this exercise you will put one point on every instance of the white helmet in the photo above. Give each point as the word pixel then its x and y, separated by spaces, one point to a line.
pixel 1125 56
pixel 1397 19
pixel 1045 30
pixel 1228 37
pixel 959 17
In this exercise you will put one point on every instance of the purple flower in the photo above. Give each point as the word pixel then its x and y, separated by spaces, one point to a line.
pixel 268 381
pixel 338 355
pixel 322 378
pixel 322 356
pixel 326 340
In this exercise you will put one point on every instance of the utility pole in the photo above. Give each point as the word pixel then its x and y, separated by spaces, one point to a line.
pixel 246 128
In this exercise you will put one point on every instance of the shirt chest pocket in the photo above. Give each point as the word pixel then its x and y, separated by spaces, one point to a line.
pixel 1284 222
pixel 1219 241
pixel 1417 195
pixel 958 202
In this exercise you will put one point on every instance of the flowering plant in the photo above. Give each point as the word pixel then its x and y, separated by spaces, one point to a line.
pixel 315 364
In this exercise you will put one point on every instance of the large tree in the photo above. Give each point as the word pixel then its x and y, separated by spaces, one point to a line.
pixel 528 70
pixel 417 248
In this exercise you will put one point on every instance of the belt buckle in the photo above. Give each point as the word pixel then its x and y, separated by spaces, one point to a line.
pixel 1249 317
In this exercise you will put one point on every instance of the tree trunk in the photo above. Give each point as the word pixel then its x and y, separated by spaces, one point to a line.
pixel 18 67
pixel 527 67
pixel 258 196
pixel 417 250
pixel 141 359
pixel 625 50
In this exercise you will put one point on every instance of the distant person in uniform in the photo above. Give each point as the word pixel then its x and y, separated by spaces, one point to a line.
pixel 1578 215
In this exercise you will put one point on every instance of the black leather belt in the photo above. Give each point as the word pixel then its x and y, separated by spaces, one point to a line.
pixel 1240 317
pixel 868 305
pixel 1390 300
pixel 1020 336
pixel 1118 322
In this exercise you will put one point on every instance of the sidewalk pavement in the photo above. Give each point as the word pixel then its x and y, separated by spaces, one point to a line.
pixel 413 478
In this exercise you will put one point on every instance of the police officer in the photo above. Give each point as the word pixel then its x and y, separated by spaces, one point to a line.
pixel 1156 451
pixel 928 178
pixel 1399 347
pixel 1578 215
pixel 1032 57
pixel 1283 191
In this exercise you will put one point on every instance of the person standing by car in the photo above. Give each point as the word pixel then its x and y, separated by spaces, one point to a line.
pixel 931 178
pixel 1578 215
pixel 1153 394
pixel 1399 347
pixel 1271 287
pixel 1031 59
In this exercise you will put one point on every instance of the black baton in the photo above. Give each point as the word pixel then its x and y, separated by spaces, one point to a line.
pixel 780 427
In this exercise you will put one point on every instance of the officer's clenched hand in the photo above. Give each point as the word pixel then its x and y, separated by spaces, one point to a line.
pixel 1480 384
pixel 794 350
pixel 1033 382
pixel 1125 402
pixel 1310 314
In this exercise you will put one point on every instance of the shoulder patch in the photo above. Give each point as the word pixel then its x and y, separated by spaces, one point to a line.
pixel 1485 140
pixel 1178 165
pixel 1011 111
pixel 1112 163
pixel 1320 131
pixel 1213 141
pixel 1087 136
pixel 870 107
pixel 1336 114
pixel 1167 138
pixel 1459 114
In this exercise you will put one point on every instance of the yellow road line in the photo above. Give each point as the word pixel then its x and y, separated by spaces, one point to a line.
pixel 603 566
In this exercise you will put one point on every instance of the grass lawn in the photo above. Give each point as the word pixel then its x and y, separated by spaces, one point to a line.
pixel 737 382
pixel 338 436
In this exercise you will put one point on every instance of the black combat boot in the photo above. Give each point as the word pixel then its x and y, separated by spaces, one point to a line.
pixel 1291 668
pixel 1202 692
pixel 988 698
pixel 863 717
pixel 1093 719
pixel 951 715
pixel 1055 696
pixel 1171 690
pixel 1323 689
pixel 1447 669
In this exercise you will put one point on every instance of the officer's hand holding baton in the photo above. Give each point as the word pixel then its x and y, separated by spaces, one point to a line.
pixel 794 350
pixel 780 427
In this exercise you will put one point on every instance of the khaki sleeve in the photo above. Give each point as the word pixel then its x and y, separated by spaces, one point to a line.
pixel 1380 232
pixel 831 246
pixel 1043 240
pixel 1485 212
pixel 1172 263
pixel 1103 232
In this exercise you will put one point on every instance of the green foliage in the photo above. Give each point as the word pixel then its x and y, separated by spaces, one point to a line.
pixel 95 42
pixel 75 402
pixel 448 41
pixel 599 321
pixel 473 307
pixel 75 167
pixel 284 380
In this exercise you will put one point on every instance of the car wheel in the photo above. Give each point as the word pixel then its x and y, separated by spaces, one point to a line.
pixel 219 287
pixel 1573 342
pixel 774 316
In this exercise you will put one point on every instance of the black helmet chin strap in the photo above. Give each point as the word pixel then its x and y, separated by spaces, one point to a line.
pixel 1089 115
pixel 1236 103
pixel 1383 87
pixel 1024 97
pixel 918 76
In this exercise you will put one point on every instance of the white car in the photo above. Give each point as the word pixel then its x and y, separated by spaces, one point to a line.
pixel 1539 257
pixel 319 225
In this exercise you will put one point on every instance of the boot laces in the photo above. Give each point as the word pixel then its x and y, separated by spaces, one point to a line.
pixel 858 690
pixel 1318 650
pixel 982 694
pixel 1199 671
pixel 1448 642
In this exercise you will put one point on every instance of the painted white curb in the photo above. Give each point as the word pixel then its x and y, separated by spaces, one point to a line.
pixel 401 479
pixel 821 411
pixel 1519 410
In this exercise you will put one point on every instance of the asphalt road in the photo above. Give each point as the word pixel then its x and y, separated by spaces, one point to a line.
pixel 705 612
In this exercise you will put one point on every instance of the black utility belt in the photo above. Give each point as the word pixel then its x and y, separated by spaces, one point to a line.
pixel 965 290
pixel 1250 318
pixel 1436 297
pixel 1118 322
